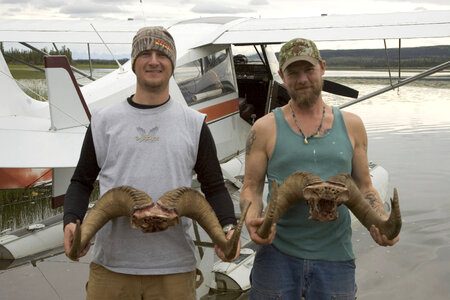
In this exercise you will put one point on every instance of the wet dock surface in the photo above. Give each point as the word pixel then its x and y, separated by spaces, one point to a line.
pixel 58 277
pixel 52 279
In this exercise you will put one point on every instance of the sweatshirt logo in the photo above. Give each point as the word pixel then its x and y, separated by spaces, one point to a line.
pixel 149 136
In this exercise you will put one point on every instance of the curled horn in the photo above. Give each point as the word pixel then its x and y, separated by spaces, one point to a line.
pixel 270 214
pixel 362 210
pixel 116 202
pixel 190 203
pixel 284 196
pixel 300 185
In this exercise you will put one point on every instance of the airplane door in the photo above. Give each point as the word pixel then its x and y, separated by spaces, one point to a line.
pixel 259 85
pixel 208 84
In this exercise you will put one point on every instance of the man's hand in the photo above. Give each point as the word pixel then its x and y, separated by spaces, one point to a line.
pixel 253 225
pixel 381 239
pixel 220 253
pixel 68 238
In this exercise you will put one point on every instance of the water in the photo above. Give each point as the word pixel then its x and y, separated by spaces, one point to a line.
pixel 409 135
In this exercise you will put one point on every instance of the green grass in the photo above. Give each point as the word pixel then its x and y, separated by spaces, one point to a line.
pixel 29 73
pixel 96 66
pixel 20 71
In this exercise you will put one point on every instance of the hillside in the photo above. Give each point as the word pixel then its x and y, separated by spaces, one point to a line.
pixel 420 57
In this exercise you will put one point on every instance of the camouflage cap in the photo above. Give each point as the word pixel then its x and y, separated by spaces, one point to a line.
pixel 298 49
pixel 153 38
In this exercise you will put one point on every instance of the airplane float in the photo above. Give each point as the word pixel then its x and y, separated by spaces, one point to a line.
pixel 232 91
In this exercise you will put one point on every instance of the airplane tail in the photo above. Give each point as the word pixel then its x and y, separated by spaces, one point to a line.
pixel 68 109
pixel 67 106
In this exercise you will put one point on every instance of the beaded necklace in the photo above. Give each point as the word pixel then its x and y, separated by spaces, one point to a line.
pixel 301 132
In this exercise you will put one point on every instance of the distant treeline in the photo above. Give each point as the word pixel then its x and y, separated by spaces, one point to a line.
pixel 100 61
pixel 420 57
pixel 14 56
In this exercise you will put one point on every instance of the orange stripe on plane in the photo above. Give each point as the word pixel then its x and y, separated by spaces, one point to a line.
pixel 220 110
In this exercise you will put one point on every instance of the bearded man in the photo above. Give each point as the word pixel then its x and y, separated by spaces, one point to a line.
pixel 302 257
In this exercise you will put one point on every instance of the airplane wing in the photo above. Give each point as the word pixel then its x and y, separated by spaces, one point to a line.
pixel 235 30
pixel 423 24
pixel 28 143
pixel 71 31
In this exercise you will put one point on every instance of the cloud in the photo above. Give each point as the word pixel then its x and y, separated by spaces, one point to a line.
pixel 36 3
pixel 214 8
pixel 89 9
pixel 430 2
pixel 14 1
pixel 45 5
pixel 259 2
pixel 72 8
pixel 120 9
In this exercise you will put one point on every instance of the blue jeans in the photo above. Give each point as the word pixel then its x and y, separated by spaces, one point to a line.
pixel 279 276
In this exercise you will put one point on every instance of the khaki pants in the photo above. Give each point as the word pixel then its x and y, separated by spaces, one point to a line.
pixel 106 285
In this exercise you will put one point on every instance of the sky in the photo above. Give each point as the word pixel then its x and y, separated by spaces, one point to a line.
pixel 181 9
pixel 188 9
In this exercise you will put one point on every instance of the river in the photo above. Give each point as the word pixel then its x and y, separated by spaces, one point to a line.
pixel 409 135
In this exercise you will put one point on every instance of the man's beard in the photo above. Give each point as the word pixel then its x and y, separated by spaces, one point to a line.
pixel 307 100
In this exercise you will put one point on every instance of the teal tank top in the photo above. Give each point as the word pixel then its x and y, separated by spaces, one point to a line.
pixel 324 156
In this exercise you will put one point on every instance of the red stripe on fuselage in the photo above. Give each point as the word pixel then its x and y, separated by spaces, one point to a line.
pixel 220 110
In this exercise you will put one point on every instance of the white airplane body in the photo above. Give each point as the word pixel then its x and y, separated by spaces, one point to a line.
pixel 50 134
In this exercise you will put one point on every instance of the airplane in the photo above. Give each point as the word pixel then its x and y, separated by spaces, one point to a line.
pixel 230 90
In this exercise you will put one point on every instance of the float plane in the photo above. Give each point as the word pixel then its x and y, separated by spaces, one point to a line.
pixel 210 77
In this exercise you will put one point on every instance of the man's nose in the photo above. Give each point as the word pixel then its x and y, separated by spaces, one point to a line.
pixel 153 59
pixel 302 77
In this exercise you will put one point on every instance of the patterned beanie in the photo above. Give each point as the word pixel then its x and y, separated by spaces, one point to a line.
pixel 298 49
pixel 153 38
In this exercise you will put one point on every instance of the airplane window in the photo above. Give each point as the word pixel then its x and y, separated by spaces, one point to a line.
pixel 206 78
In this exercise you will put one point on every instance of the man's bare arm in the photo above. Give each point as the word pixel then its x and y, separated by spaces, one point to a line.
pixel 375 201
pixel 256 159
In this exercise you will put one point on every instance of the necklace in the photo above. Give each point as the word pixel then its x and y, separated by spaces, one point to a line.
pixel 301 132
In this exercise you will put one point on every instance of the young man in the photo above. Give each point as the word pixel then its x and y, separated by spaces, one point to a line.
pixel 304 258
pixel 153 143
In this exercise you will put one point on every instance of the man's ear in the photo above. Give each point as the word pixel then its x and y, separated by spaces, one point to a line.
pixel 323 66
pixel 281 75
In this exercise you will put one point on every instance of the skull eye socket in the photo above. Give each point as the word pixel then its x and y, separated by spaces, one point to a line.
pixel 310 194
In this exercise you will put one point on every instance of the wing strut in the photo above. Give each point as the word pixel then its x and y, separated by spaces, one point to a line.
pixel 106 45
pixel 387 61
pixel 399 61
pixel 42 52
